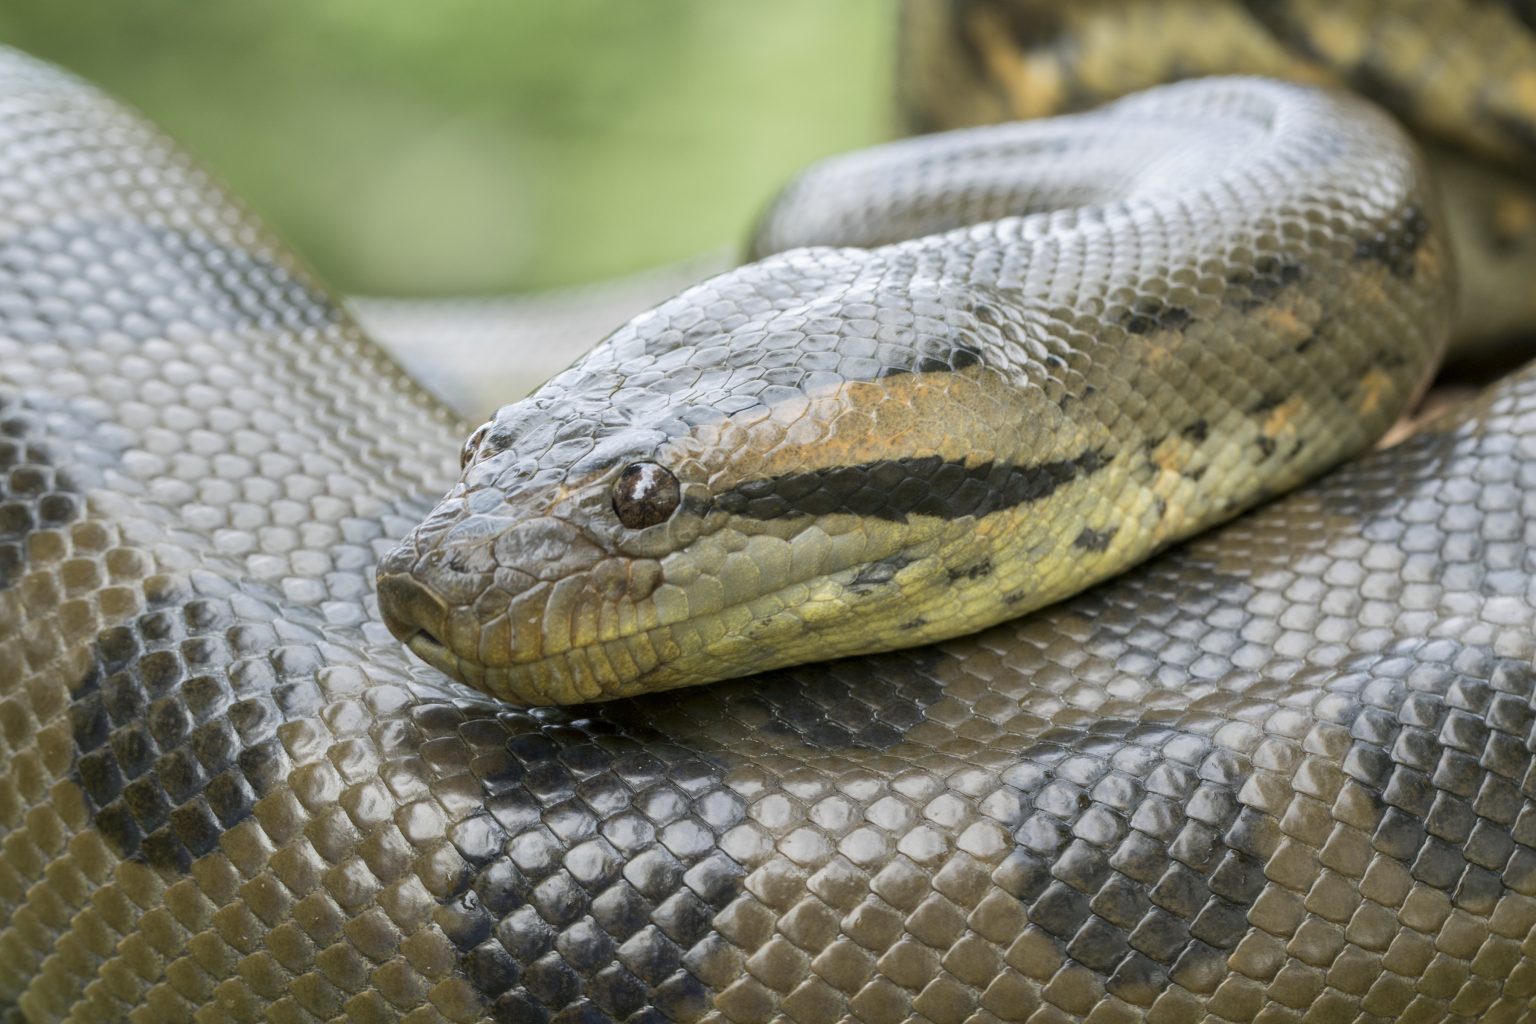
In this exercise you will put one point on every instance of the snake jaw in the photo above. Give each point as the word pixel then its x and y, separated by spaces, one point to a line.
pixel 414 615
pixel 433 651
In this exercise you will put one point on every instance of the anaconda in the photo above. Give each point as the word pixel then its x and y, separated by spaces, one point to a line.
pixel 1164 311
pixel 1275 773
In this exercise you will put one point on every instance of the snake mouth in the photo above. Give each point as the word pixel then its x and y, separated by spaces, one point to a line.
pixel 433 651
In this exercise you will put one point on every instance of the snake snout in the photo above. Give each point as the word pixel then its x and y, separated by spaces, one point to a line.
pixel 416 616
pixel 483 594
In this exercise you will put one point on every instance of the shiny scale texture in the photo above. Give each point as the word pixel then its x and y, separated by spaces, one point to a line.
pixel 980 372
pixel 1279 773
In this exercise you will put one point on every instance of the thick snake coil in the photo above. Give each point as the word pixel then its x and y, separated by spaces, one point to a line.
pixel 1278 773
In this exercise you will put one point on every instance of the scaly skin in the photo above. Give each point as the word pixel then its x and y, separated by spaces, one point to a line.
pixel 1461 76
pixel 1277 773
pixel 1167 310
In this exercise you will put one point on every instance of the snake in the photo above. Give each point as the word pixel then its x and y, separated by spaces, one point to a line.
pixel 1275 772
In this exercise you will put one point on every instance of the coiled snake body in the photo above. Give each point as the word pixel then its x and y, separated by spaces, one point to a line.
pixel 1277 773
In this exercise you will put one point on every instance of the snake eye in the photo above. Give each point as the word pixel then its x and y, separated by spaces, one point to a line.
pixel 467 454
pixel 645 494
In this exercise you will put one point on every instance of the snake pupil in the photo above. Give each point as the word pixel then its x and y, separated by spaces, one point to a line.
pixel 644 495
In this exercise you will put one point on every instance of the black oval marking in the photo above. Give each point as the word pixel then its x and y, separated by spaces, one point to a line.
pixel 971 572
pixel 169 762
pixel 604 918
pixel 1258 285
pixel 877 574
pixel 955 359
pixel 1396 246
pixel 1153 314
pixel 1095 540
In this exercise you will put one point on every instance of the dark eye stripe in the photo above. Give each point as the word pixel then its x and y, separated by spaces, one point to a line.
pixel 894 489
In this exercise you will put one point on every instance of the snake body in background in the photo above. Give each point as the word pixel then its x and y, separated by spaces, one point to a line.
pixel 1276 774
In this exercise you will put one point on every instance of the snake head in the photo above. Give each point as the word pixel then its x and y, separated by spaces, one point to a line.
pixel 756 473
pixel 526 567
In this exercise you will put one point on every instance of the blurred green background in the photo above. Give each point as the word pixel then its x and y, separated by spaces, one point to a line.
pixel 483 146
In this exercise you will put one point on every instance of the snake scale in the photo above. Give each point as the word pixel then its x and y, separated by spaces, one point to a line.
pixel 1280 772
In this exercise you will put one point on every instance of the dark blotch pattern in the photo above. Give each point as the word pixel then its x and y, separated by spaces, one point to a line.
pixel 1262 283
pixel 877 574
pixel 592 875
pixel 1397 247
pixel 974 571
pixel 959 357
pixel 1094 540
pixel 1150 314
pixel 166 753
